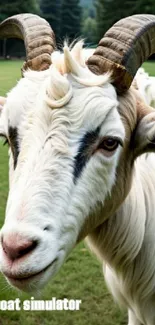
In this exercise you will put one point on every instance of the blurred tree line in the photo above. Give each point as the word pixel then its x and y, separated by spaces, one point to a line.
pixel 64 16
pixel 73 18
pixel 110 11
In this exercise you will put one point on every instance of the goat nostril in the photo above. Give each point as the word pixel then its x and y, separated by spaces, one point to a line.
pixel 47 228
pixel 17 249
pixel 24 251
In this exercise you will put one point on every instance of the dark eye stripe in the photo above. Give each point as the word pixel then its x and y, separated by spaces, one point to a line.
pixel 13 137
pixel 82 156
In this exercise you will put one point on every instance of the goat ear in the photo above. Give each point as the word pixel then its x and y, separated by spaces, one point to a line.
pixel 144 137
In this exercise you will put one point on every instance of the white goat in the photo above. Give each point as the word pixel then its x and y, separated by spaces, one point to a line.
pixel 76 163
pixel 146 86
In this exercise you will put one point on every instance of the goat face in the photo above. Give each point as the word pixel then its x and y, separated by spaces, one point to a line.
pixel 62 165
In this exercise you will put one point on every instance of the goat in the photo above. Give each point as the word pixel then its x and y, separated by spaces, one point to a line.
pixel 82 162
pixel 146 86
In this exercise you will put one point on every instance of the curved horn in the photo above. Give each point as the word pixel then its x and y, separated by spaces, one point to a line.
pixel 37 35
pixel 123 49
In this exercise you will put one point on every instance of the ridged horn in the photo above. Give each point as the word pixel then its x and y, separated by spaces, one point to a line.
pixel 38 37
pixel 123 49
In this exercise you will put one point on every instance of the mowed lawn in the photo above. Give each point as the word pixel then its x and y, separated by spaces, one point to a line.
pixel 80 277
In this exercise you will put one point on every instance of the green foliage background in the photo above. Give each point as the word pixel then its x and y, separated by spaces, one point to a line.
pixel 71 19
pixel 110 11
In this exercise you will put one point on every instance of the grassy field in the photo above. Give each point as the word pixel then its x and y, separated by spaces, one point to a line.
pixel 80 277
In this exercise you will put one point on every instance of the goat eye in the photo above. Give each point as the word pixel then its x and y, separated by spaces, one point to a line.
pixel 109 144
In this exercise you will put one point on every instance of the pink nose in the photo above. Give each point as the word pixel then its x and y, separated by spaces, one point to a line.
pixel 16 246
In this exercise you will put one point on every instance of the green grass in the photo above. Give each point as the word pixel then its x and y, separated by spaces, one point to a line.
pixel 80 277
pixel 150 68
pixel 10 73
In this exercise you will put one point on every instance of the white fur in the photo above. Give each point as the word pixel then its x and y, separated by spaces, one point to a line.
pixel 54 110
pixel 146 86
pixel 131 276
pixel 42 192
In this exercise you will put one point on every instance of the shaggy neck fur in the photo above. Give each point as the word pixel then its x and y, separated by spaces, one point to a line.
pixel 124 239
pixel 125 242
